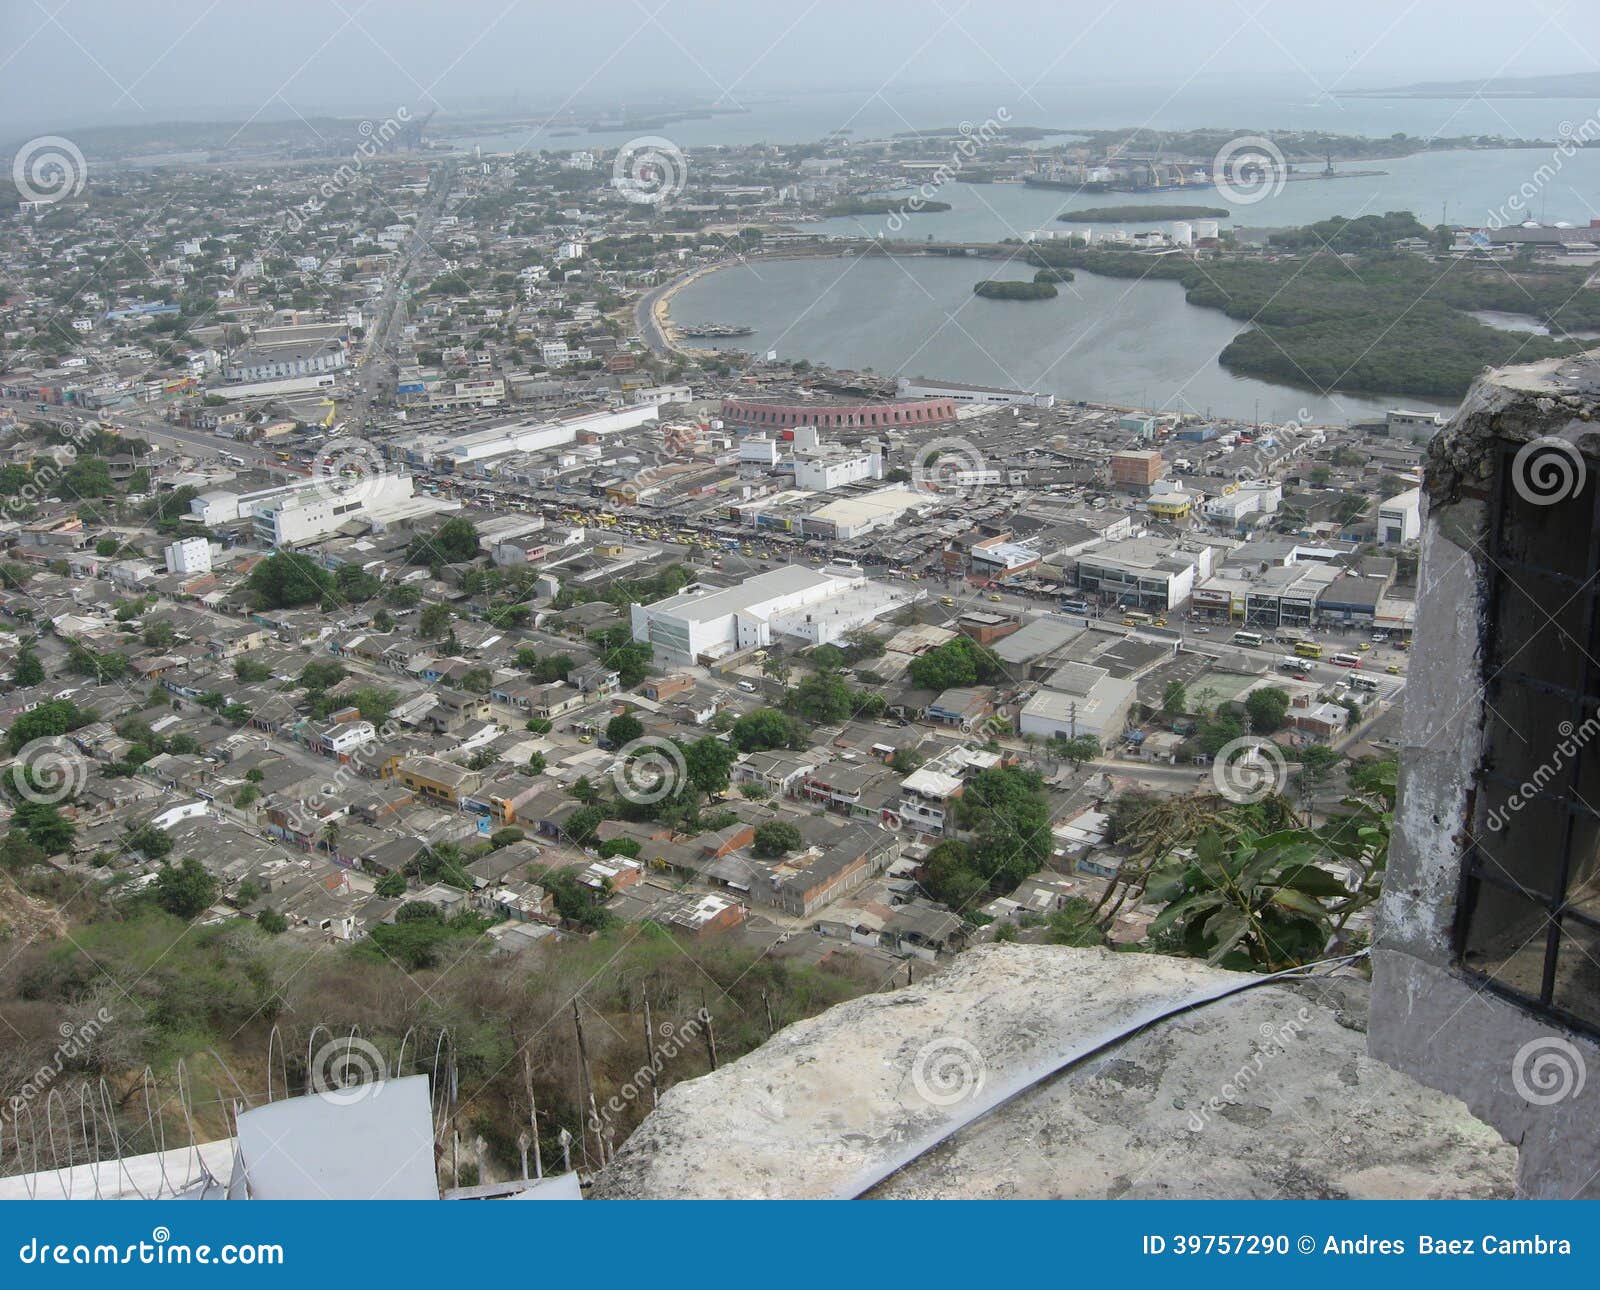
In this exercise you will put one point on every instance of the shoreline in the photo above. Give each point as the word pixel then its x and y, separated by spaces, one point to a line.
pixel 660 311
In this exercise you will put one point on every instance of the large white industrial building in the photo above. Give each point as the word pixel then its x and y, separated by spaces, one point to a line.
pixel 808 606
pixel 473 451
pixel 311 509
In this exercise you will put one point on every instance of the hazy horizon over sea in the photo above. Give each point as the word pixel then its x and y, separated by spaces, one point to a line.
pixel 810 116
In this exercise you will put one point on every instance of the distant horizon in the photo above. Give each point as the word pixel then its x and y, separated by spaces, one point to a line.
pixel 522 105
pixel 97 63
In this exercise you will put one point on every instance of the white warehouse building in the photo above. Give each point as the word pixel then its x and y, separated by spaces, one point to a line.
pixel 821 470
pixel 1400 518
pixel 189 555
pixel 482 445
pixel 1079 699
pixel 808 606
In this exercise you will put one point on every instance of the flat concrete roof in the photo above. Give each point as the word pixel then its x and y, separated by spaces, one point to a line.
pixel 789 580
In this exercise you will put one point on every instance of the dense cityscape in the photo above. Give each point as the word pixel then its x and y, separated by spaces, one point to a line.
pixel 436 646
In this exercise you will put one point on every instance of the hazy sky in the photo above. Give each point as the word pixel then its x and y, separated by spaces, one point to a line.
pixel 67 63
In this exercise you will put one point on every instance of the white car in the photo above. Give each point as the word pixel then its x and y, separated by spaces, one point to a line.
pixel 747 686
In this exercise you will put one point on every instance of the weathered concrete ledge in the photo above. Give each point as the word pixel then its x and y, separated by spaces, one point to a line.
pixel 1266 1093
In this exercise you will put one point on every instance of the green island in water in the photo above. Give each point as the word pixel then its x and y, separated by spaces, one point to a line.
pixel 1140 214
pixel 1043 286
pixel 1339 307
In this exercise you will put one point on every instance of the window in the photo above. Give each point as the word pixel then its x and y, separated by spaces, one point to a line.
pixel 1528 922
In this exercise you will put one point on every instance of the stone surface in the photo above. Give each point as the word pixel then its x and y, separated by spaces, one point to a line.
pixel 1429 1018
pixel 1267 1093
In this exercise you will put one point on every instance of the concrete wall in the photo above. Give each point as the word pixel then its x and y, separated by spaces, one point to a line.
pixel 1428 1017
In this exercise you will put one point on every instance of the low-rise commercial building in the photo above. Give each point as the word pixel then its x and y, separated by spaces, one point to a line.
pixel 814 606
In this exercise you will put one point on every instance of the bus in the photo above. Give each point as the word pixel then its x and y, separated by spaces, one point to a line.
pixel 1346 660
pixel 1070 606
pixel 1247 638
pixel 1291 665
pixel 1136 619
pixel 1307 649
pixel 1364 682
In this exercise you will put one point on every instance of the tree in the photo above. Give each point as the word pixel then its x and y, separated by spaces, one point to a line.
pixel 553 668
pixel 184 890
pixel 1267 708
pixel 373 703
pixel 247 669
pixel 775 838
pixel 1316 763
pixel 623 729
pixel 708 761
pixel 1261 902
pixel 87 477
pixel 619 651
pixel 577 904
pixel 949 876
pixel 765 729
pixel 582 823
pixel 828 657
pixel 477 679
pixel 391 886
pixel 108 666
pixel 355 583
pixel 906 759
pixel 1074 925
pixel 1009 815
pixel 823 697
pixel 27 670
pixel 453 542
pixel 285 579
pixel 1175 698
pixel 321 674
pixel 55 717
pixel 43 826
pixel 536 763
pixel 272 922
pixel 160 634
pixel 1218 729
pixel 958 662
pixel 147 839
pixel 1079 749
pixel 435 621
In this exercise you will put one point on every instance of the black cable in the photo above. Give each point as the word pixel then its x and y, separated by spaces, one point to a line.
pixel 1194 1005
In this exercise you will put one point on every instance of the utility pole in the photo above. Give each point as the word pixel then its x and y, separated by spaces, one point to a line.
pixel 650 1055
pixel 533 1120
pixel 711 1033
pixel 585 1088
